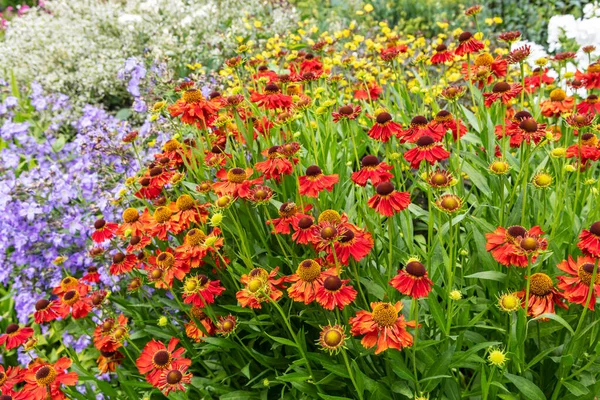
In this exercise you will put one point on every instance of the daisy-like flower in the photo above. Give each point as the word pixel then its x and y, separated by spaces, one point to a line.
pixel 122 263
pixel 453 93
pixel 505 244
pixel 384 128
pixel 196 245
pixel 108 361
pixel 77 301
pixel 590 105
pixel 413 280
pixel 103 230
pixel 193 331
pixel 133 223
pixel 136 244
pixel 442 55
pixel 497 357
pixel 174 378
pixel 258 285
pixel 387 201
pixel 272 98
pixel 440 179
pixel 499 167
pixel 502 91
pixel 558 104
pixel 226 325
pixel 315 182
pixel 194 109
pixel 373 170
pixel 485 69
pixel 543 296
pixel 542 180
pixel 347 112
pixel 427 150
pixel 509 302
pixel 392 52
pixel 15 336
pixel 9 377
pixel 590 78
pixel 277 164
pixel 445 120
pixel 156 358
pixel 332 338
pixel 586 149
pixel 305 282
pixel 519 54
pixel 373 93
pixel 538 77
pixel 576 286
pixel 200 291
pixel 467 44
pixel 289 213
pixel 187 211
pixel 260 194
pixel 526 130
pixel 303 230
pixel 580 120
pixel 66 284
pixel 110 334
pixel 384 327
pixel 235 182
pixel 43 380
pixel 353 243
pixel 216 157
pixel 49 310
pixel 162 222
pixel 333 292
pixel 418 128
pixel 589 240
pixel 325 234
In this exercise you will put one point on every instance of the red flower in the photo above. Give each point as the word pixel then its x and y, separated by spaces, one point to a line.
pixel 445 121
pixel 384 128
pixel 272 98
pixel 542 296
pixel 133 223
pixel 442 55
pixel 526 130
pixel 306 281
pixel 353 242
pixel 589 240
pixel 589 105
pixel 577 285
pixel 485 69
pixel 314 182
pixel 276 164
pixel 187 211
pixel 384 327
pixel 15 336
pixel 387 201
pixel 347 112
pixel 373 170
pixel 77 300
pixel 156 358
pixel 372 94
pixel 333 292
pixel 104 230
pixel 504 244
pixel 392 52
pixel 122 263
pixel 194 109
pixel 538 76
pixel 303 229
pixel 413 280
pixel 418 128
pixel 288 215
pixel 172 379
pixel 502 91
pixel 43 381
pixel 91 276
pixel 591 78
pixel 137 243
pixel 46 311
pixel 235 182
pixel 9 378
pixel 199 290
pixel 586 150
pixel 162 222
pixel 258 285
pixel 194 248
pixel 467 44
pixel 426 150
pixel 110 334
pixel 171 264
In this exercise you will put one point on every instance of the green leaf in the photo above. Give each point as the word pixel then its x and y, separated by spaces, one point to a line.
pixel 436 312
pixel 281 340
pixel 293 377
pixel 576 388
pixel 478 180
pixel 488 275
pixel 238 395
pixel 555 318
pixel 526 387
pixel 373 288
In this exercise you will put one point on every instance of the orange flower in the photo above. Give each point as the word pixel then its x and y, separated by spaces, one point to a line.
pixel 258 285
pixel 387 201
pixel 156 358
pixel 43 380
pixel 577 285
pixel 172 379
pixel 542 296
pixel 413 280
pixel 333 292
pixel 419 127
pixel 374 170
pixel 505 244
pixel 108 361
pixel 194 109
pixel 315 181
pixel 15 336
pixel 306 281
pixel 384 327
pixel 272 98
pixel 558 104
pixel 235 182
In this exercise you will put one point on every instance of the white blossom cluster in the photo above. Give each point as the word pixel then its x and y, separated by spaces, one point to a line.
pixel 585 31
pixel 77 47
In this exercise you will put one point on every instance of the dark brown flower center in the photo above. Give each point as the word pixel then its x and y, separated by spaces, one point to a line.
pixel 347 236
pixel 118 258
pixel 465 36
pixel 135 240
pixel 416 269
pixel 516 231
pixel 529 125
pixel 12 328
pixel 595 228
pixel 521 115
pixel 271 88
pixel 332 283
pixel 441 47
pixel 161 358
pixel 370 161
pixel 346 110
pixel 418 120
pixel 156 171
pixel 313 170
pixel 385 188
pixel 99 224
pixel 501 87
pixel 174 377
pixel 42 304
pixel 305 223
pixel 383 117
pixel 425 141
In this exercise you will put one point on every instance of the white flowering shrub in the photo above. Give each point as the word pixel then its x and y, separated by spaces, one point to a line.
pixel 77 47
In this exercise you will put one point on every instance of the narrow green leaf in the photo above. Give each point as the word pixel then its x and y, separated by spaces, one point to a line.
pixel 526 387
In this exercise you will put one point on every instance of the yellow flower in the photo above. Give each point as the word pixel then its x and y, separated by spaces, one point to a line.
pixel 368 8
pixel 497 357
pixel 509 302
pixel 442 25
pixel 257 24
pixel 455 295
pixel 162 321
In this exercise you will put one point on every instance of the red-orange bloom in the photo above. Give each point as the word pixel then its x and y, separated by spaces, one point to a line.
pixel 122 263
pixel 315 182
pixel 15 336
pixel 288 215
pixel 384 327
pixel 420 127
pixel 426 150
pixel 353 242
pixel 586 149
pixel 276 164
pixel 526 130
pixel 200 291
pixel 502 91
pixel 272 98
pixel 171 264
pixel 306 281
pixel 590 105
pixel 558 104
pixel 467 44
pixel 206 328
pixel 537 77
pixel 384 128
pixel 374 170
pixel 303 229
pixel 258 286
pixel 9 378
pixel 133 223
pixel 103 230
pixel 387 201
pixel 577 285
pixel 589 240
pixel 187 211
pixel 109 335
pixel 156 357
pixel 46 311
pixel 43 380
pixel 172 379
pixel 413 280
pixel 542 296
pixel 347 112
pixel 442 55
pixel 195 109
pixel 77 300
pixel 333 292
pixel 108 361
pixel 505 244
pixel 235 182
pixel 590 78
pixel 444 120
